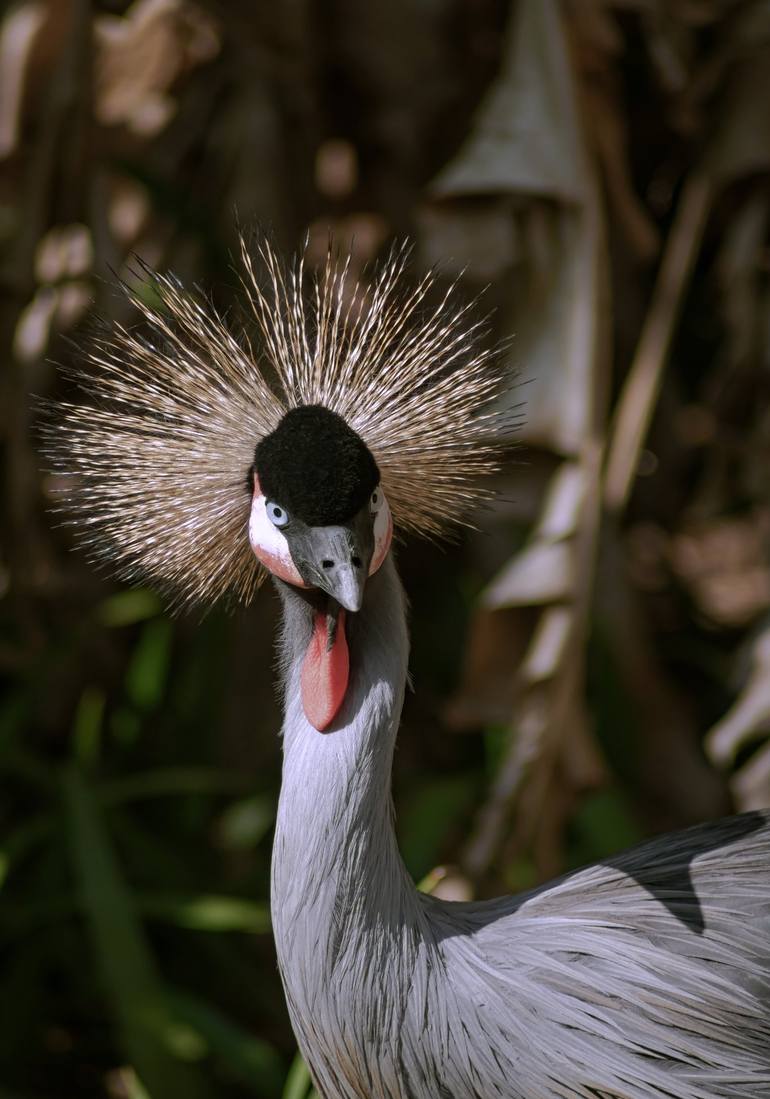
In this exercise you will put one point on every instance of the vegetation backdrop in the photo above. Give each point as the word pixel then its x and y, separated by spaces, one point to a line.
pixel 590 666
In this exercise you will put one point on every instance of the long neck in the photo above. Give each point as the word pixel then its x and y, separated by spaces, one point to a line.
pixel 339 885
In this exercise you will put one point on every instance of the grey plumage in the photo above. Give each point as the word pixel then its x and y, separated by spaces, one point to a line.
pixel 647 976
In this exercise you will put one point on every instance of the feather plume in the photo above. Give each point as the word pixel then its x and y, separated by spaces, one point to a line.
pixel 158 455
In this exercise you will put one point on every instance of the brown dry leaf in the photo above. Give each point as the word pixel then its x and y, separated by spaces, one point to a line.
pixel 336 168
pixel 33 327
pixel 557 320
pixel 128 209
pixel 541 573
pixel 503 654
pixel 478 237
pixel 724 563
pixel 751 785
pixel 597 45
pixel 549 644
pixel 527 141
pixel 638 399
pixel 563 502
pixel 66 251
pixel 671 773
pixel 526 745
pixel 363 233
pixel 526 138
pixel 734 150
pixel 741 143
pixel 140 55
pixel 19 32
pixel 496 643
pixel 525 176
pixel 747 720
pixel 739 268
pixel 749 716
pixel 452 885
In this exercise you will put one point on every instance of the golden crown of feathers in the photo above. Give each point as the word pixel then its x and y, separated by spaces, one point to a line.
pixel 158 459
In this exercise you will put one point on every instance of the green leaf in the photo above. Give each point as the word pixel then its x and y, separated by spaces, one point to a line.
pixel 427 817
pixel 520 874
pixel 206 912
pixel 496 741
pixel 87 727
pixel 146 676
pixel 128 607
pixel 244 823
pixel 152 1039
pixel 603 825
pixel 431 879
pixel 201 912
pixel 297 1080
pixel 125 725
pixel 169 781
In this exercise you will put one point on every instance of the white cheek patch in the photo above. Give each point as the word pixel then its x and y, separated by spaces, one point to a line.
pixel 383 534
pixel 269 544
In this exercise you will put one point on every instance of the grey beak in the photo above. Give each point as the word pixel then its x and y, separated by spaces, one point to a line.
pixel 335 559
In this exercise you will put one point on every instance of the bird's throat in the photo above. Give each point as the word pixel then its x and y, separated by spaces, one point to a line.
pixel 325 668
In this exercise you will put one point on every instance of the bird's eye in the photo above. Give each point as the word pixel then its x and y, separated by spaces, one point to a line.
pixel 375 501
pixel 278 516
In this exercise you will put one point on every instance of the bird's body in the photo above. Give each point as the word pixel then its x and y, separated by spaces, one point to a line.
pixel 646 976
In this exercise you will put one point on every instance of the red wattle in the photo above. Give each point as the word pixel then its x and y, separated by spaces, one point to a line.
pixel 325 670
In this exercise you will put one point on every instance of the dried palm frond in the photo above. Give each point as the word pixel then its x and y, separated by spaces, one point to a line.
pixel 160 456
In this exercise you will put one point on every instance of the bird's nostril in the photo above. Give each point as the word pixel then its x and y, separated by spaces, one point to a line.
pixel 327 564
pixel 356 562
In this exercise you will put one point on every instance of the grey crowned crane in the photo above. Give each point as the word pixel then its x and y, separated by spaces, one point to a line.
pixel 204 464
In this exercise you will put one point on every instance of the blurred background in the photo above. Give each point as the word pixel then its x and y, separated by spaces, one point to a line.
pixel 591 666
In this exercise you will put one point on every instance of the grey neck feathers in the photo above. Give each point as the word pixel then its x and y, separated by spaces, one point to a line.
pixel 339 887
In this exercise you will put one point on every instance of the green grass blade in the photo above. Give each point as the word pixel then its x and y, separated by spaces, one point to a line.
pixel 149 665
pixel 128 607
pixel 87 730
pixel 297 1080
pixel 169 781
pixel 152 1040
pixel 244 823
pixel 206 912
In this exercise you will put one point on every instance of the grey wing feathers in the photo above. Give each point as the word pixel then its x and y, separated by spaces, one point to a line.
pixel 647 975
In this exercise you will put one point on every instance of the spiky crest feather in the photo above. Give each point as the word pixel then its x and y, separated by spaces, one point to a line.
pixel 159 459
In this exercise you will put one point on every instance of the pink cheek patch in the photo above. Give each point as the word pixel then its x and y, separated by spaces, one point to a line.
pixel 383 536
pixel 268 543
pixel 282 567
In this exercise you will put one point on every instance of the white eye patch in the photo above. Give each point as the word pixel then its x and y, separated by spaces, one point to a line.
pixel 268 542
pixel 383 531
pixel 271 548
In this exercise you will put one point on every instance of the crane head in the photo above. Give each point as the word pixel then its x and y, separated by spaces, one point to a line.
pixel 319 518
pixel 320 521
pixel 344 397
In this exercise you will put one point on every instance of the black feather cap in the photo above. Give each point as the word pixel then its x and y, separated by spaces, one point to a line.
pixel 316 466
